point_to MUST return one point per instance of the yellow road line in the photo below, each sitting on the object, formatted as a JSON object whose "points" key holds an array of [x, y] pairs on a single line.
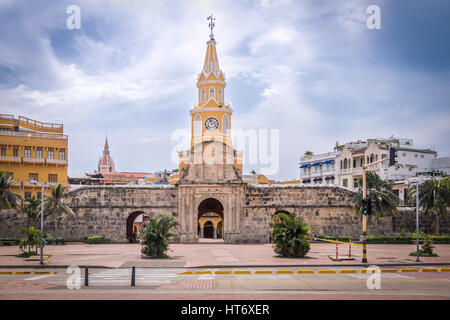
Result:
{"points": [[444, 270], [42, 272], [388, 270], [6, 272], [203, 272], [284, 271], [242, 272], [222, 272], [326, 271], [408, 270], [365, 271], [263, 272], [185, 272], [428, 270], [347, 271], [23, 272], [305, 271]]}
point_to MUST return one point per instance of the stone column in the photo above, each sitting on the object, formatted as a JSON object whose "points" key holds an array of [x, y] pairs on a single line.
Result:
{"points": [[214, 232]]}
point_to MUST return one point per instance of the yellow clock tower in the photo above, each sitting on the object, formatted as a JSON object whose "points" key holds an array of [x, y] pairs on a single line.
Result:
{"points": [[211, 117], [210, 127]]}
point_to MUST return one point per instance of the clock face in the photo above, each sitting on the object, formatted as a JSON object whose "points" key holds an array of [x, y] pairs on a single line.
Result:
{"points": [[212, 124]]}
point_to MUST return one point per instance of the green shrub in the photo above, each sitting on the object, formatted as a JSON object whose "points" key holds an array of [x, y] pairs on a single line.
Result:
{"points": [[290, 236], [154, 237], [31, 239], [95, 239]]}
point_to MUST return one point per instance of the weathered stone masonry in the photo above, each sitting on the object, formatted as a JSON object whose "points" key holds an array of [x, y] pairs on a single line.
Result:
{"points": [[247, 210]]}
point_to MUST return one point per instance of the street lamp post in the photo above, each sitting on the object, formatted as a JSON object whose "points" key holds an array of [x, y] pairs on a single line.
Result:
{"points": [[417, 221], [42, 220]]}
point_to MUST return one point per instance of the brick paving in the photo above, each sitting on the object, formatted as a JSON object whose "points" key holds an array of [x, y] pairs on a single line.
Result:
{"points": [[216, 255], [189, 285]]}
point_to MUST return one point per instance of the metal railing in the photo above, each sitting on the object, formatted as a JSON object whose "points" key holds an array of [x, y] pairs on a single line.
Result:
{"points": [[33, 135]]}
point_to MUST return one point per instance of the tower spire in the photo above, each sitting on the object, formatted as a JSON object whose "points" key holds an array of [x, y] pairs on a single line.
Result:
{"points": [[211, 25]]}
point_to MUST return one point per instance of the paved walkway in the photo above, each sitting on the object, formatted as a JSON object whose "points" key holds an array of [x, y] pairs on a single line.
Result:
{"points": [[217, 255]]}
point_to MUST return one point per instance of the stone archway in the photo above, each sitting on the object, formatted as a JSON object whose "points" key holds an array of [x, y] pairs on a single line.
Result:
{"points": [[131, 227], [210, 214]]}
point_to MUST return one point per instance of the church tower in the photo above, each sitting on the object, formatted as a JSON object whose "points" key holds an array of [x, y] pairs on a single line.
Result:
{"points": [[211, 117], [106, 163]]}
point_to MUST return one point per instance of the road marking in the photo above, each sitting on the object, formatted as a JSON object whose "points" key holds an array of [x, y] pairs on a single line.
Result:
{"points": [[428, 270], [42, 272], [263, 272], [242, 272], [222, 272], [444, 270], [39, 277], [203, 272], [6, 272], [326, 271], [305, 271], [408, 270], [388, 270], [347, 271], [284, 271], [185, 272], [23, 272]]}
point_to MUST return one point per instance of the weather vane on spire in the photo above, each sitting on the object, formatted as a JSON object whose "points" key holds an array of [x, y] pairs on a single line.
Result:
{"points": [[211, 23]]}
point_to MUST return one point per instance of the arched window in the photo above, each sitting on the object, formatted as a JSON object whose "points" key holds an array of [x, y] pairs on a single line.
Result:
{"points": [[212, 93], [202, 95], [225, 124], [220, 94], [197, 126]]}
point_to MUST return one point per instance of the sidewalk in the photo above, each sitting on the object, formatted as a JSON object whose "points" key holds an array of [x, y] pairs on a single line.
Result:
{"points": [[215, 255]]}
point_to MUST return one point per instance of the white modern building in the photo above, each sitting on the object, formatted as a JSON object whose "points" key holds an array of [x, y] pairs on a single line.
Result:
{"points": [[319, 169]]}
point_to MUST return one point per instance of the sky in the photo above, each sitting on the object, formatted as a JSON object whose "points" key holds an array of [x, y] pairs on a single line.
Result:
{"points": [[311, 69]]}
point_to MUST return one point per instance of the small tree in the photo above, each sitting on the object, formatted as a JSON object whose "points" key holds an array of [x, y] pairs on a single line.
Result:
{"points": [[434, 198], [154, 237], [31, 240], [31, 209], [54, 204], [290, 236], [308, 154]]}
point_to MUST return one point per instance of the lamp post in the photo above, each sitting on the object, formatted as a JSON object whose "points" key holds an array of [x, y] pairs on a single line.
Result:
{"points": [[42, 220], [417, 182]]}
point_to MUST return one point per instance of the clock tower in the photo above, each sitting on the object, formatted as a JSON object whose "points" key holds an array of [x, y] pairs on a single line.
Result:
{"points": [[211, 157], [211, 117]]}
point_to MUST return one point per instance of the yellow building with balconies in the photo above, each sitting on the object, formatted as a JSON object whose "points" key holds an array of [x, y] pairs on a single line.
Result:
{"points": [[32, 153]]}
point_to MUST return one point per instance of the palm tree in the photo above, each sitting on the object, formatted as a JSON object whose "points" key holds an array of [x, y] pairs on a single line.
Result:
{"points": [[8, 199], [308, 154], [434, 198], [31, 209], [379, 190], [253, 172], [290, 236], [54, 204], [154, 237]]}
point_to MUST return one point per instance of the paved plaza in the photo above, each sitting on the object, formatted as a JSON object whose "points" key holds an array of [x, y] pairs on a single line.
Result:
{"points": [[218, 254]]}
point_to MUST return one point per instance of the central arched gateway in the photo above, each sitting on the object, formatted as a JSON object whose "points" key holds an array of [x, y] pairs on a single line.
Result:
{"points": [[210, 219], [132, 228]]}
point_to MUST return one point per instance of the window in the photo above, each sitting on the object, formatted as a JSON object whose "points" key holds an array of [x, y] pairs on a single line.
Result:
{"points": [[15, 152], [10, 175], [3, 152], [355, 183], [354, 163], [361, 162], [27, 153], [421, 156], [345, 182], [53, 178], [39, 154], [39, 195], [197, 126], [33, 177], [220, 94], [212, 93], [202, 95], [50, 154], [415, 155], [225, 124], [62, 155], [404, 154], [27, 194]]}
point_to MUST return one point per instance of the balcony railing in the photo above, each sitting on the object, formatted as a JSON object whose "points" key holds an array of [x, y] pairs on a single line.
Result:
{"points": [[32, 135], [32, 160], [10, 159]]}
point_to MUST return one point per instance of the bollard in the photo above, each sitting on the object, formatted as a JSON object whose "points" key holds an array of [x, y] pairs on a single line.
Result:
{"points": [[133, 276], [86, 277], [350, 250], [337, 256]]}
